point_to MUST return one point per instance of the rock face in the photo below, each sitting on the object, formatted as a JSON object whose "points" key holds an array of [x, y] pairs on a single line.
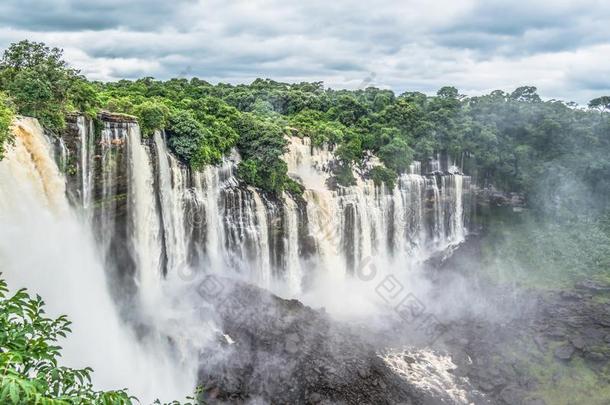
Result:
{"points": [[495, 198], [282, 352], [107, 116], [98, 182], [564, 351]]}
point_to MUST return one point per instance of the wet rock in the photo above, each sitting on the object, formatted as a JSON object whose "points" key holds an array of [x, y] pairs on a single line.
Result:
{"points": [[363, 373], [540, 343], [512, 395], [596, 357], [117, 117], [603, 320], [570, 295], [282, 343], [564, 351], [315, 398], [592, 334], [578, 342], [534, 401], [593, 286], [556, 333], [486, 386]]}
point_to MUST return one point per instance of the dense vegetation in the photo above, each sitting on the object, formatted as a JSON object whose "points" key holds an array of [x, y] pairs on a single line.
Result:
{"points": [[29, 358], [30, 372], [511, 140]]}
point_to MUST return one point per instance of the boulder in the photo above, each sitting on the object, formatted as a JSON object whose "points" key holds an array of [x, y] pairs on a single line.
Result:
{"points": [[564, 351], [578, 342], [593, 286]]}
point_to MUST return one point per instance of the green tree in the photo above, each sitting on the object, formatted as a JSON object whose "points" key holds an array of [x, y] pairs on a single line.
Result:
{"points": [[6, 117], [152, 116], [185, 135], [30, 372], [29, 358], [39, 81], [383, 175], [396, 155], [262, 145], [526, 94], [600, 103]]}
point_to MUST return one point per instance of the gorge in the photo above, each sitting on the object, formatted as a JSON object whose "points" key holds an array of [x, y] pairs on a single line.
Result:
{"points": [[290, 243], [153, 223]]}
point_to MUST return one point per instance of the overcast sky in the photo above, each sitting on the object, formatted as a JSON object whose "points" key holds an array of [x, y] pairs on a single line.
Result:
{"points": [[560, 46]]}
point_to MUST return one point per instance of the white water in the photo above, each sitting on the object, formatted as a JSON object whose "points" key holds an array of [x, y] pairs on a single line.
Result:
{"points": [[260, 233], [294, 272], [152, 215], [145, 224], [389, 225], [403, 226], [86, 163], [45, 248], [428, 371], [173, 189]]}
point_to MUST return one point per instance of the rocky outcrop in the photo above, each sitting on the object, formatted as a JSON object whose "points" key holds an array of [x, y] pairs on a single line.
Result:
{"points": [[492, 197], [281, 352], [107, 116]]}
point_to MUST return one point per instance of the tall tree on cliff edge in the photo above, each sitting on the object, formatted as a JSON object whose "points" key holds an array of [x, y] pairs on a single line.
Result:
{"points": [[42, 85]]}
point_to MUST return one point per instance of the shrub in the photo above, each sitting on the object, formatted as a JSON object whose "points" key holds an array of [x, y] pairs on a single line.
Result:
{"points": [[380, 174], [29, 357]]}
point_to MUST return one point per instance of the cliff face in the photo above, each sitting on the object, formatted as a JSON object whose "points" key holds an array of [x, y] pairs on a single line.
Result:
{"points": [[98, 179], [157, 221], [153, 215]]}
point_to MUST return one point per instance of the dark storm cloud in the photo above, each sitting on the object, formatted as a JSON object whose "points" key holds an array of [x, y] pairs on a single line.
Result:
{"points": [[560, 46]]}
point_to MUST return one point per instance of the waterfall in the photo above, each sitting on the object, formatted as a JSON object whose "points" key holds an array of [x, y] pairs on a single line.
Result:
{"points": [[44, 247], [86, 167], [209, 186], [260, 233], [207, 220], [172, 194], [148, 218], [294, 272], [143, 216], [422, 214]]}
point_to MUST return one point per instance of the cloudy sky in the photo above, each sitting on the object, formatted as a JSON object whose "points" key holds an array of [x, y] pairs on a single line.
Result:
{"points": [[560, 46]]}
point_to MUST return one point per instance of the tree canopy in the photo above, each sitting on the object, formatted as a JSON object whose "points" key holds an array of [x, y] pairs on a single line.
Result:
{"points": [[505, 139]]}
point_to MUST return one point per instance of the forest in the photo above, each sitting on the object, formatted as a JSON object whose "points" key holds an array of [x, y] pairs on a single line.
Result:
{"points": [[507, 140]]}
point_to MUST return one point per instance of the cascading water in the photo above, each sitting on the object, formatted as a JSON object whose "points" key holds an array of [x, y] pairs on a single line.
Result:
{"points": [[86, 163], [144, 223], [294, 271], [173, 191], [193, 219], [421, 215], [66, 270], [154, 221]]}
